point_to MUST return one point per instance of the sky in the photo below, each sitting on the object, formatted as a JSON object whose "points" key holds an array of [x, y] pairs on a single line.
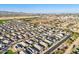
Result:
{"points": [[41, 8]]}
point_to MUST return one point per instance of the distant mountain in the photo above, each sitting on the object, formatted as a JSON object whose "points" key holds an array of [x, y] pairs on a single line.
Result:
{"points": [[7, 13]]}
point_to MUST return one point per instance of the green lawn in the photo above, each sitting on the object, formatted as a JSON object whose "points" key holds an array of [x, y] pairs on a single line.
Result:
{"points": [[3, 21], [10, 52]]}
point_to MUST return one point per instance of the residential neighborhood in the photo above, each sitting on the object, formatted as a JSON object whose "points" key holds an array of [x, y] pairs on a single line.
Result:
{"points": [[24, 37]]}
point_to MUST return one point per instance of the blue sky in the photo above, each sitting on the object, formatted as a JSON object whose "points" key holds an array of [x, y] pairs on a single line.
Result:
{"points": [[41, 8]]}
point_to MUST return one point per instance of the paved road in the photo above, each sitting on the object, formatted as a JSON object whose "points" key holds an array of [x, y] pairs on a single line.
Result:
{"points": [[53, 47]]}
